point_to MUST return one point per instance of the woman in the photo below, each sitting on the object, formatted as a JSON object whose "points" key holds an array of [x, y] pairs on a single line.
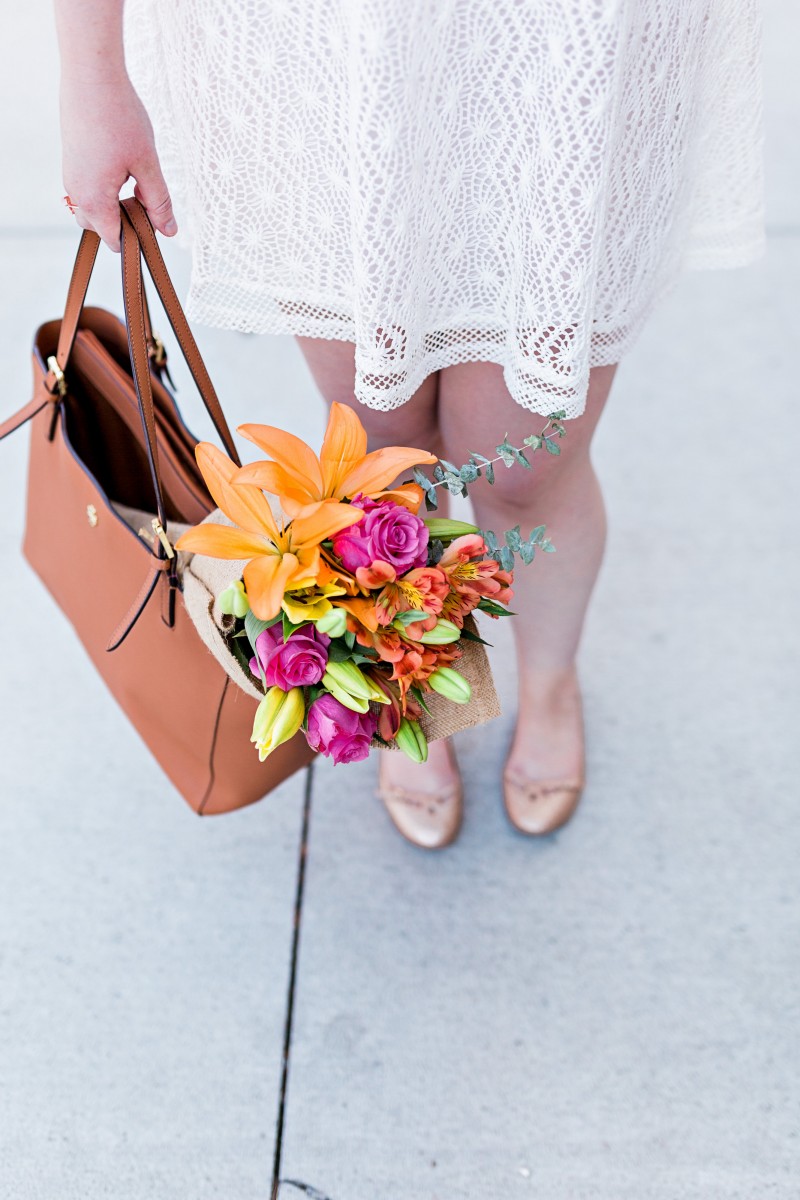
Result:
{"points": [[464, 210]]}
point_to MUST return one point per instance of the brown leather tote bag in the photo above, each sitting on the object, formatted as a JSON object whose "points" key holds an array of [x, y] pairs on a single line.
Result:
{"points": [[111, 473]]}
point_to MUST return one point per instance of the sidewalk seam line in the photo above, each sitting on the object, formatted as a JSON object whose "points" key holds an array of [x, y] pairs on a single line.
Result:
{"points": [[290, 994]]}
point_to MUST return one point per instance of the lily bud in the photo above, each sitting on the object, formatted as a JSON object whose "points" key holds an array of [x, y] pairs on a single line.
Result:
{"points": [[347, 677], [334, 622], [278, 718], [444, 529], [233, 601], [449, 683], [354, 703], [412, 741], [442, 633]]}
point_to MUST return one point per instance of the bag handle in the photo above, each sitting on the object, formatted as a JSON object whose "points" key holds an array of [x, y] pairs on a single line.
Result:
{"points": [[76, 298]]}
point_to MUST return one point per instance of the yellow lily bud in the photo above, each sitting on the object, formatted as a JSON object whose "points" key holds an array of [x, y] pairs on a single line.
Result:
{"points": [[233, 601], [278, 718], [334, 622], [449, 683], [412, 741], [443, 632]]}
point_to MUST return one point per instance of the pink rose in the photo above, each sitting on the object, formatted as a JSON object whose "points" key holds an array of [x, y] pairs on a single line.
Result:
{"points": [[339, 732], [297, 662], [389, 533]]}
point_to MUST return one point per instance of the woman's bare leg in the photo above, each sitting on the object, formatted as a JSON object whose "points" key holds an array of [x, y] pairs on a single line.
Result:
{"points": [[551, 595], [415, 423]]}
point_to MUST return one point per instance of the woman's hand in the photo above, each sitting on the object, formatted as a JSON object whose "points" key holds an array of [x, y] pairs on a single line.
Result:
{"points": [[107, 139]]}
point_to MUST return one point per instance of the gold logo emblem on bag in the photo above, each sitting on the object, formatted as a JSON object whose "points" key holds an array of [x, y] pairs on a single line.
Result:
{"points": [[91, 515]]}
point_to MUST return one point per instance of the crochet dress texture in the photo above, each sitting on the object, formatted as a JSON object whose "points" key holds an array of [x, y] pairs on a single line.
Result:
{"points": [[441, 181]]}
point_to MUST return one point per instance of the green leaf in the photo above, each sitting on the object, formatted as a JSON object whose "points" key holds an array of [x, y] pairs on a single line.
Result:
{"points": [[410, 616], [422, 479], [533, 440], [526, 552], [339, 651], [469, 473], [506, 451], [490, 537], [506, 556], [520, 458], [241, 655], [557, 416], [438, 473], [551, 446], [548, 546], [254, 627], [450, 468], [491, 606], [289, 627], [350, 638], [454, 485], [468, 636], [536, 535], [489, 473], [513, 538], [431, 500], [419, 696], [435, 551]]}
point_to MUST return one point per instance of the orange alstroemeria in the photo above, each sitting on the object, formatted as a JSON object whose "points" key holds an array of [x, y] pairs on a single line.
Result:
{"points": [[280, 557], [344, 469], [424, 588]]}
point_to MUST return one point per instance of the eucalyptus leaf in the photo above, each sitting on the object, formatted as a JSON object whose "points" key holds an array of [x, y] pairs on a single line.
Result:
{"points": [[422, 479], [438, 473], [469, 473], [526, 552], [520, 458], [533, 440], [551, 446], [450, 468], [513, 538], [506, 452], [435, 551], [506, 556], [548, 546]]}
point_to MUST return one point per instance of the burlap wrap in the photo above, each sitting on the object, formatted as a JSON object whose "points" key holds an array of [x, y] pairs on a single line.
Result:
{"points": [[204, 579]]}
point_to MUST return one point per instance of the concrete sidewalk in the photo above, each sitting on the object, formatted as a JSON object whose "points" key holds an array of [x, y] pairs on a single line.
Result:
{"points": [[610, 1014]]}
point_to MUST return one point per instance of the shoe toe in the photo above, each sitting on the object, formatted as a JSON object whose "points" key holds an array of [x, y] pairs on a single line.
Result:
{"points": [[428, 820], [540, 807]]}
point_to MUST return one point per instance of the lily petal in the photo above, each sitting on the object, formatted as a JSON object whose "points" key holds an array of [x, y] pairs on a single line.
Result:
{"points": [[223, 541], [344, 446], [246, 506], [272, 478], [407, 495], [290, 452], [265, 579], [328, 519], [380, 468]]}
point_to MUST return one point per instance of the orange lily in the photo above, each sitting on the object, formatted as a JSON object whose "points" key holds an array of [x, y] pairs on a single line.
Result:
{"points": [[301, 479], [281, 558]]}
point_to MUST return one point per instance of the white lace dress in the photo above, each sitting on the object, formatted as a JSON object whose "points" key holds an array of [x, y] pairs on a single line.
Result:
{"points": [[516, 181]]}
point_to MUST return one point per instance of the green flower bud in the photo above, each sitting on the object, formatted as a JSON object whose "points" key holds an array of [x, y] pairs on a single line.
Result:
{"points": [[348, 678], [445, 529], [334, 622], [442, 633], [412, 741], [233, 601], [449, 683]]}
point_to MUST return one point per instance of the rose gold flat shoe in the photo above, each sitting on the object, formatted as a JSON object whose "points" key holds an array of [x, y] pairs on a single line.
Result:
{"points": [[429, 820], [539, 806]]}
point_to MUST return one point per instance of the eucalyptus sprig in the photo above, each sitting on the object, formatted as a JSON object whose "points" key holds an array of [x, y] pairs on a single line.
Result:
{"points": [[457, 481]]}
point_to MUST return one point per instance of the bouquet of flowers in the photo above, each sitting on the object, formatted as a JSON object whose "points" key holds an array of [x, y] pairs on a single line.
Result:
{"points": [[345, 611]]}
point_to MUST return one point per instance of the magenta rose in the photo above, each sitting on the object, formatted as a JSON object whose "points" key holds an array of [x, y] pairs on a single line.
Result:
{"points": [[297, 662], [339, 732], [388, 533]]}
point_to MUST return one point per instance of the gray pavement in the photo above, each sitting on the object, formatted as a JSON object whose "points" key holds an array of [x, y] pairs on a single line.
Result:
{"points": [[610, 1014]]}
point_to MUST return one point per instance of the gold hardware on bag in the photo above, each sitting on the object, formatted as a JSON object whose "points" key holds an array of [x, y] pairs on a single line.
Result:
{"points": [[91, 515], [157, 351], [158, 529], [61, 382]]}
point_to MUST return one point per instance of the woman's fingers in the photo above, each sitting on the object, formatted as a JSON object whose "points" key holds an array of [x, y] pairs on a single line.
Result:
{"points": [[151, 189], [103, 217]]}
